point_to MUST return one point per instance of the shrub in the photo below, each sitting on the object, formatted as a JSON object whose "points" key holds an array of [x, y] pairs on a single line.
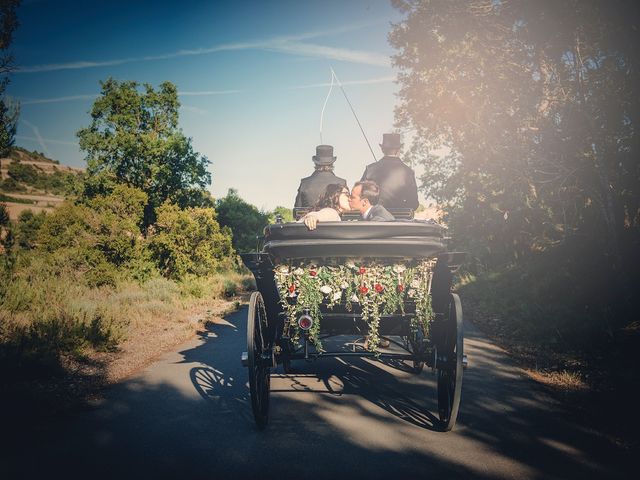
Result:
{"points": [[28, 227], [189, 242]]}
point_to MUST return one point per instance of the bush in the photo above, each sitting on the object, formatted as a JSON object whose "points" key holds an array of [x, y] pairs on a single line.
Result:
{"points": [[28, 228], [189, 242], [11, 185]]}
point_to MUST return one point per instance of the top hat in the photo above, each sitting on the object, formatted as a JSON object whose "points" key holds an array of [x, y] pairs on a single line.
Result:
{"points": [[324, 155], [391, 140]]}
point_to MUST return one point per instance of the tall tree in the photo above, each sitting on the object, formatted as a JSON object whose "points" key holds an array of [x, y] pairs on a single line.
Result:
{"points": [[244, 220], [134, 139], [9, 110], [537, 105]]}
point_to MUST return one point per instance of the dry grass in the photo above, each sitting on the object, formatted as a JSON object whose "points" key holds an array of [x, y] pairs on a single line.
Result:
{"points": [[563, 380]]}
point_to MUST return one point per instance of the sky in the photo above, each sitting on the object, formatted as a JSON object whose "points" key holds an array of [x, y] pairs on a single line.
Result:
{"points": [[252, 79]]}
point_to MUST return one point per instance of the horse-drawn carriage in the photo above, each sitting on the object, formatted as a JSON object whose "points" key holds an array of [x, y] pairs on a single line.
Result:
{"points": [[374, 280]]}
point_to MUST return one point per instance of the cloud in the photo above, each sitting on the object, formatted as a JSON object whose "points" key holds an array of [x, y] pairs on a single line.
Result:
{"points": [[48, 140], [38, 137], [330, 53], [189, 108], [36, 101], [208, 92], [366, 81], [291, 45]]}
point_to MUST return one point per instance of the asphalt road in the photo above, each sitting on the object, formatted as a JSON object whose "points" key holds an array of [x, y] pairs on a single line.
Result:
{"points": [[188, 416]]}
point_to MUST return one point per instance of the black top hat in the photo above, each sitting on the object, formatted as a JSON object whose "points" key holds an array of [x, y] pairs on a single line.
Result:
{"points": [[391, 140], [324, 155]]}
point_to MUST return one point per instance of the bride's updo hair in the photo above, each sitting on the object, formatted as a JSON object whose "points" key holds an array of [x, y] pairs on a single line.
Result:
{"points": [[330, 198]]}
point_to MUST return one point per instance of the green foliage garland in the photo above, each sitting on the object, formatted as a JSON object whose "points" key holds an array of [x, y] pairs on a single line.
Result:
{"points": [[378, 290]]}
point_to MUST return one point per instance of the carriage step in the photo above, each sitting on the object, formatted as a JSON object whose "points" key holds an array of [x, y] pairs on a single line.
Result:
{"points": [[465, 361], [244, 358]]}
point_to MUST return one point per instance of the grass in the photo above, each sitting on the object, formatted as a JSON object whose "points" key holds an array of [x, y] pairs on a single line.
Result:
{"points": [[44, 318], [7, 198]]}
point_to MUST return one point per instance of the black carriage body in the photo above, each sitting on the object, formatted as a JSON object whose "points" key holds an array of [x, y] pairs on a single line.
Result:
{"points": [[384, 243], [334, 243]]}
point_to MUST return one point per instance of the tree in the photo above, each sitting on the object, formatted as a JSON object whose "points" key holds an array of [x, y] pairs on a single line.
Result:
{"points": [[190, 242], [134, 139], [285, 213], [536, 104], [245, 220], [9, 110]]}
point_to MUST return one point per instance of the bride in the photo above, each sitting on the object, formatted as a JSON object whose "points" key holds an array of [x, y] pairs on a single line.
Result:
{"points": [[331, 204]]}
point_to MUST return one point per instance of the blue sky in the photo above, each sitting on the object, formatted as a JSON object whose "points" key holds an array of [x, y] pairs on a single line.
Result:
{"points": [[252, 77]]}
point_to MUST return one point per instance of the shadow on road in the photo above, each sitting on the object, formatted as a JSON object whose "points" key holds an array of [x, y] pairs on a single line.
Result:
{"points": [[190, 415]]}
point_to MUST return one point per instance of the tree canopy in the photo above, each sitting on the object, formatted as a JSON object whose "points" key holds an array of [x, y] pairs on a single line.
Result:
{"points": [[8, 110], [134, 139], [245, 220], [535, 105]]}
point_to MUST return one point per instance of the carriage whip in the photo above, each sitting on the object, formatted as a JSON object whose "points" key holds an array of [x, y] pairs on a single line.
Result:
{"points": [[335, 77]]}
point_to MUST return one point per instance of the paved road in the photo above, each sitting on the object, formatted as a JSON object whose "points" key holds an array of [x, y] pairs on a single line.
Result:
{"points": [[188, 415]]}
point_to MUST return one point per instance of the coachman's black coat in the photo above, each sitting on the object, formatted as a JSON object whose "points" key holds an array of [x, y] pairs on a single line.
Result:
{"points": [[396, 180], [313, 186]]}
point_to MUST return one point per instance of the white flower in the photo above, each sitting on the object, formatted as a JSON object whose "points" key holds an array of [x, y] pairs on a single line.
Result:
{"points": [[337, 296], [282, 269], [298, 271], [411, 293], [354, 298], [415, 283], [399, 268], [326, 289], [344, 285], [350, 265]]}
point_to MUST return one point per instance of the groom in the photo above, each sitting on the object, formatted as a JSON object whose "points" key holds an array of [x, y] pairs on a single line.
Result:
{"points": [[364, 198]]}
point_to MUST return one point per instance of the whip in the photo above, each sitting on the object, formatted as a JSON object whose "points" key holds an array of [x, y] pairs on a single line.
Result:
{"points": [[335, 77]]}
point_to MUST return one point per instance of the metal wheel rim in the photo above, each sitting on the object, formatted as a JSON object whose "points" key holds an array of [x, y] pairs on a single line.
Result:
{"points": [[450, 381], [259, 374]]}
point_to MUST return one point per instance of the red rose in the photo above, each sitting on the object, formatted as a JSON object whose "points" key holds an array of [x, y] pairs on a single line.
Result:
{"points": [[313, 273], [362, 271], [363, 289], [379, 288], [400, 288], [292, 288]]}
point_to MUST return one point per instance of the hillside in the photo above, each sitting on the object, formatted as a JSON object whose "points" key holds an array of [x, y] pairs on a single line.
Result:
{"points": [[32, 181]]}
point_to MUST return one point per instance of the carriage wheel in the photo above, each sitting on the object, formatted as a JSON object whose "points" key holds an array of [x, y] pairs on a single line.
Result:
{"points": [[259, 369], [450, 376]]}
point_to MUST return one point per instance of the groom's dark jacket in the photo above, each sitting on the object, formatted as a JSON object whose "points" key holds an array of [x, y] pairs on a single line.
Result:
{"points": [[379, 214]]}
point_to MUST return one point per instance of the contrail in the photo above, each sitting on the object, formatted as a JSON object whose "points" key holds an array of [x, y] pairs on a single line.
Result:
{"points": [[39, 138], [367, 81], [48, 140], [291, 45], [36, 101]]}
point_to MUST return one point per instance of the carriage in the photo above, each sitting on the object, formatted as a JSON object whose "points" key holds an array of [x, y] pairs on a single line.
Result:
{"points": [[372, 280]]}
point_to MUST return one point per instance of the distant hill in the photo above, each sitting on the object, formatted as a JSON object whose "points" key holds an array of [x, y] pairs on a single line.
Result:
{"points": [[36, 159], [32, 181]]}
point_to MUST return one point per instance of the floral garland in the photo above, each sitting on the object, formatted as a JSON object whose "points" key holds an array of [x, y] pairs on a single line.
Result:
{"points": [[378, 289]]}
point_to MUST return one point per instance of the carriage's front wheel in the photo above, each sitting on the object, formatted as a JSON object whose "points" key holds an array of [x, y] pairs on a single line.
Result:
{"points": [[450, 374], [259, 367]]}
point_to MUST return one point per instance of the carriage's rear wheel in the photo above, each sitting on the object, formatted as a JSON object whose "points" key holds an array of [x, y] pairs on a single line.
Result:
{"points": [[259, 367], [450, 375]]}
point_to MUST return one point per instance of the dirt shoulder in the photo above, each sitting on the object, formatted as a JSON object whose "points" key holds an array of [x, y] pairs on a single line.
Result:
{"points": [[81, 381]]}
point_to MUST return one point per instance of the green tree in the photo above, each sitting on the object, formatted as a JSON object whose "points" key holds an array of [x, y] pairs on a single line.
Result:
{"points": [[245, 220], [99, 239], [190, 242], [536, 104], [134, 139], [285, 213], [9, 110]]}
